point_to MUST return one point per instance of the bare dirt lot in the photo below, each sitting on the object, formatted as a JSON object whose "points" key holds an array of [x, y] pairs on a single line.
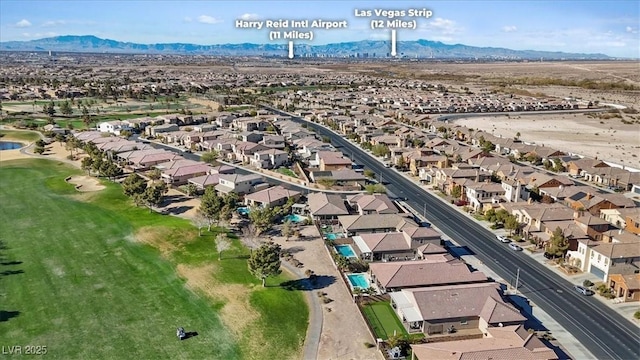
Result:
{"points": [[607, 139]]}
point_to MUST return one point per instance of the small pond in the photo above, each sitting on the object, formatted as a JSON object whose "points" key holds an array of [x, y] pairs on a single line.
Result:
{"points": [[10, 145]]}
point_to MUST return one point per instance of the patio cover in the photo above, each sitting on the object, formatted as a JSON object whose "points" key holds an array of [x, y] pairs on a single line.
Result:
{"points": [[405, 306]]}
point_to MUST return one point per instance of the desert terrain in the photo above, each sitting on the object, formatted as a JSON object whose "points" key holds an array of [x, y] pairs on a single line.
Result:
{"points": [[609, 140]]}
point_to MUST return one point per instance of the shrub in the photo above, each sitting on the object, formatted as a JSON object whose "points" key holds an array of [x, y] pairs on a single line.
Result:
{"points": [[636, 315], [370, 345], [587, 283], [326, 300]]}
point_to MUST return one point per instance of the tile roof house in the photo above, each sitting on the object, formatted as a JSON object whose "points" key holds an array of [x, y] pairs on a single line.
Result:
{"points": [[372, 204], [240, 184], [179, 175], [201, 182], [332, 160], [269, 158], [433, 270], [507, 342], [440, 309], [617, 253], [271, 197], [374, 223], [323, 206]]}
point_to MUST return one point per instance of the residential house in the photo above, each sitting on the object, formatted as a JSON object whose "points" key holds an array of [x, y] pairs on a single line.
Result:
{"points": [[365, 204], [271, 197], [432, 270], [240, 184], [114, 127], [617, 253], [576, 167], [269, 159], [332, 160], [625, 287], [358, 224], [179, 175], [326, 207], [273, 141], [481, 196], [503, 342], [204, 181], [158, 130], [593, 202], [444, 309], [399, 245], [251, 136]]}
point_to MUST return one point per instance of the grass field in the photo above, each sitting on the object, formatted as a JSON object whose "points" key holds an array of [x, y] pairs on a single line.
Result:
{"points": [[383, 320], [19, 135], [286, 171], [92, 277]]}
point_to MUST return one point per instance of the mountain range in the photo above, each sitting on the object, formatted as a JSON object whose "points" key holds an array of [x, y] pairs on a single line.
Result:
{"points": [[364, 48]]}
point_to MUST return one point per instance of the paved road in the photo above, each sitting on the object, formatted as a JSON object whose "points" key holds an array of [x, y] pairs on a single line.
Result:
{"points": [[604, 332]]}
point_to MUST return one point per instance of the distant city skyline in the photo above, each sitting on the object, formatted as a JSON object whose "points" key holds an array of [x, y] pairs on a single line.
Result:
{"points": [[608, 27]]}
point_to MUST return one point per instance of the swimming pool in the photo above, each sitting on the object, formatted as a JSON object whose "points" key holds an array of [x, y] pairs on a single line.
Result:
{"points": [[346, 251], [358, 281], [295, 218], [333, 236], [243, 210]]}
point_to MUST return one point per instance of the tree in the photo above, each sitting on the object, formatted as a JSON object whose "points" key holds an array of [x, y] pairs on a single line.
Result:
{"points": [[369, 173], [375, 189], [199, 221], [210, 205], [38, 150], [511, 224], [86, 163], [558, 243], [210, 157], [286, 229], [456, 192], [133, 185], [222, 244], [65, 108], [262, 218], [154, 195], [72, 143], [402, 163], [154, 174], [380, 150], [190, 189], [265, 261], [49, 109]]}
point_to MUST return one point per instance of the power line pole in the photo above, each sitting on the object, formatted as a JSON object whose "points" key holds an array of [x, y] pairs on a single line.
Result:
{"points": [[517, 280]]}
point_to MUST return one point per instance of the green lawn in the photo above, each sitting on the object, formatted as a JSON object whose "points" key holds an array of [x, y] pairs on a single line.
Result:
{"points": [[19, 135], [74, 277], [286, 171], [383, 319]]}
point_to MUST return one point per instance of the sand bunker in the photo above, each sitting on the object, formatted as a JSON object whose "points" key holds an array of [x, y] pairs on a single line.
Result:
{"points": [[85, 183]]}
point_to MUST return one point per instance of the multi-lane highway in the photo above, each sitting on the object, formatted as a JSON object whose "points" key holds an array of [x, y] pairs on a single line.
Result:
{"points": [[602, 331]]}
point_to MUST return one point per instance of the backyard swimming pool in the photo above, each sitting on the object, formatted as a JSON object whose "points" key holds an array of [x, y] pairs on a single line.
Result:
{"points": [[346, 251], [358, 281], [333, 236], [243, 210], [295, 218]]}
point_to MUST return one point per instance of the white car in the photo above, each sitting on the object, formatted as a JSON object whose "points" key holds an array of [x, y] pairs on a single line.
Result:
{"points": [[515, 247], [503, 238]]}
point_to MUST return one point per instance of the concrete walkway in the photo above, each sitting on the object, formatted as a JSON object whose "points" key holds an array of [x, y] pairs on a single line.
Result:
{"points": [[314, 330]]}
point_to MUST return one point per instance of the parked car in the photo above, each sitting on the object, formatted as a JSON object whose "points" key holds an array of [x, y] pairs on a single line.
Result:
{"points": [[503, 238], [583, 290], [515, 247]]}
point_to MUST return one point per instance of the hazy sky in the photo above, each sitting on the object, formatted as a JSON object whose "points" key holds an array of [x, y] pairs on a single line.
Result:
{"points": [[609, 27]]}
